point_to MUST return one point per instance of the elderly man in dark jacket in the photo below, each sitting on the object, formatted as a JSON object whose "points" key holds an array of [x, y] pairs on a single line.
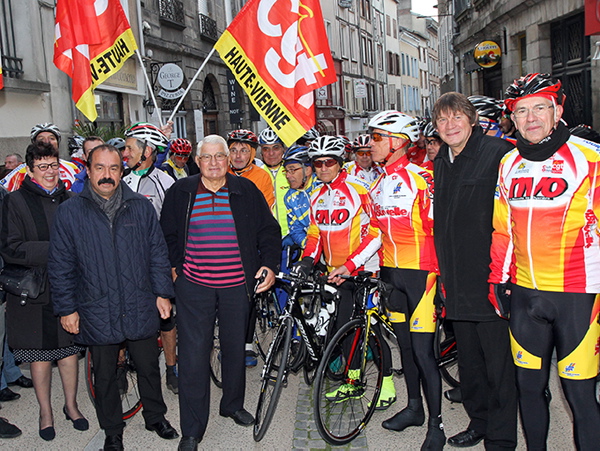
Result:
{"points": [[110, 279], [221, 237], [466, 171]]}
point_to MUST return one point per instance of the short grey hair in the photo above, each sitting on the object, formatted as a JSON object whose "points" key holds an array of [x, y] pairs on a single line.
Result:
{"points": [[212, 139]]}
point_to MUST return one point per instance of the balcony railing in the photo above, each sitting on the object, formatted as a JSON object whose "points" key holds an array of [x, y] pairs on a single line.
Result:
{"points": [[171, 13], [208, 28]]}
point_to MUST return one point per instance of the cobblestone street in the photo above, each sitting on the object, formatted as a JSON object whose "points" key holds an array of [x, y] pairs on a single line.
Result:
{"points": [[292, 427]]}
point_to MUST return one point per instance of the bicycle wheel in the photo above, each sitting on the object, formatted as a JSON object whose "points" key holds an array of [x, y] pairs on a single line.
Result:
{"points": [[272, 379], [446, 354], [127, 381], [267, 322], [215, 358], [344, 405]]}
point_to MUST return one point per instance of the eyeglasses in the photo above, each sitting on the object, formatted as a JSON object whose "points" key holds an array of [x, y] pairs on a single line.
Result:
{"points": [[219, 157], [330, 162], [291, 170], [45, 166], [242, 150], [537, 111], [377, 137], [181, 155], [363, 153]]}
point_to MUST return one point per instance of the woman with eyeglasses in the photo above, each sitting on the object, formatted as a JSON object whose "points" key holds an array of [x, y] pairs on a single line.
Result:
{"points": [[34, 333]]}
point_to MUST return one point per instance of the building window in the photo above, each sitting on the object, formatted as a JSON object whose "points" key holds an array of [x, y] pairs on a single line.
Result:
{"points": [[12, 65], [343, 40], [395, 28], [523, 53], [370, 52], [365, 9], [171, 13], [353, 49], [388, 26]]}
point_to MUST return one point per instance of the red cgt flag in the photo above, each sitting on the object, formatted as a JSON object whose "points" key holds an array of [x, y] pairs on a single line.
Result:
{"points": [[93, 40], [279, 53]]}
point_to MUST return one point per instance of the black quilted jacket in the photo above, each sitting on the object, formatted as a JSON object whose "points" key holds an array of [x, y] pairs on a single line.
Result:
{"points": [[109, 274]]}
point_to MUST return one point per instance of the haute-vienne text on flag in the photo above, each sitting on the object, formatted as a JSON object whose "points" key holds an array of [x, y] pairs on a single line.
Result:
{"points": [[92, 41], [279, 53]]}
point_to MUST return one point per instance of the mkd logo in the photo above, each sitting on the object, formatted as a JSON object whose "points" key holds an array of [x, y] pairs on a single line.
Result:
{"points": [[546, 188]]}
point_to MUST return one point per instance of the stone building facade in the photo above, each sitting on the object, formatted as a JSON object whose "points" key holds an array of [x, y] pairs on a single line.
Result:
{"points": [[545, 36]]}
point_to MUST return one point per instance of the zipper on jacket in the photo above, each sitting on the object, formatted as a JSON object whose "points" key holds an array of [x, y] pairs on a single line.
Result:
{"points": [[529, 221]]}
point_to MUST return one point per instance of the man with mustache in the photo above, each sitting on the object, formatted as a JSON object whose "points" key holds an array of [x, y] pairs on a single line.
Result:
{"points": [[110, 280]]}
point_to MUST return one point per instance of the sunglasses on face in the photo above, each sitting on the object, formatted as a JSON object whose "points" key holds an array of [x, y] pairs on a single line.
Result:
{"points": [[363, 153], [181, 155], [330, 162], [377, 137]]}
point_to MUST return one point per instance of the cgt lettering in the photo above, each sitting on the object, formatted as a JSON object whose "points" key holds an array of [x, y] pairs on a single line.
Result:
{"points": [[547, 188]]}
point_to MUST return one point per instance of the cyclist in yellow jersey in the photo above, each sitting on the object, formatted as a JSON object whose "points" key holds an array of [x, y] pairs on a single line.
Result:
{"points": [[403, 211], [547, 246], [272, 149]]}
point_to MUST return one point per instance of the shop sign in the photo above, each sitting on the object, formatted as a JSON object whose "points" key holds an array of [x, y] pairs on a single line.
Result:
{"points": [[170, 78], [487, 54]]}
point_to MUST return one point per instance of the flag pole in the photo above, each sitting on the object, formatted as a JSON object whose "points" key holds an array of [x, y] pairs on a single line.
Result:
{"points": [[149, 86], [191, 83]]}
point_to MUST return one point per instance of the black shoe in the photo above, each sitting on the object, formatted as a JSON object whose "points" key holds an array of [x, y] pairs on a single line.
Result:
{"points": [[188, 444], [113, 443], [48, 433], [164, 429], [7, 394], [466, 439], [241, 417], [8, 430], [453, 395], [435, 439], [413, 415], [22, 381], [172, 380], [81, 424]]}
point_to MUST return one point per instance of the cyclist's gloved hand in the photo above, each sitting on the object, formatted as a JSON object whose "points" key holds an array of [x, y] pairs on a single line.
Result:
{"points": [[304, 267], [499, 296]]}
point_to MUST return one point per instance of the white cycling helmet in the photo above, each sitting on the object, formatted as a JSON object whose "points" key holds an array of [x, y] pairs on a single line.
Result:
{"points": [[150, 134], [268, 136], [396, 122], [45, 127], [327, 146]]}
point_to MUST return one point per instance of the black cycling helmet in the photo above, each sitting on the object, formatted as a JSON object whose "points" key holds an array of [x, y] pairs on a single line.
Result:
{"points": [[534, 84], [242, 136], [430, 131], [586, 132], [75, 144], [487, 107]]}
